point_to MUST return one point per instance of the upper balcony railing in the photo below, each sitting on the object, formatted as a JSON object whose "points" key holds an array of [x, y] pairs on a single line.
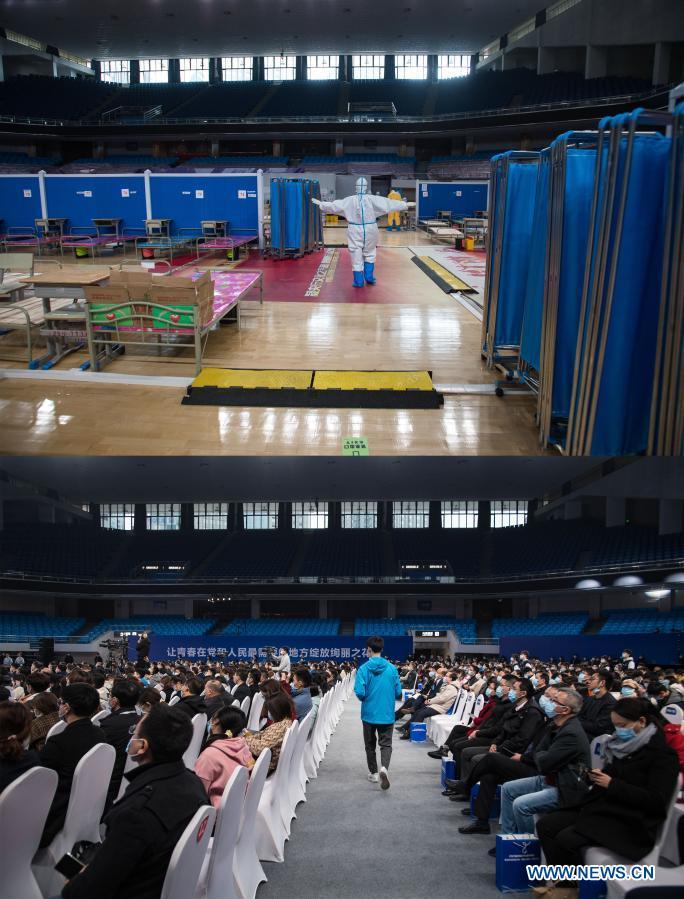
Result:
{"points": [[333, 119]]}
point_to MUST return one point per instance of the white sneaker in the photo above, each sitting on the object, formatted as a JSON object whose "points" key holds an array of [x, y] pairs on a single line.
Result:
{"points": [[384, 779], [373, 778]]}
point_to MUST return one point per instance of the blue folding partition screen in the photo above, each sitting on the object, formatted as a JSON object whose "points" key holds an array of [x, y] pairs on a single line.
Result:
{"points": [[189, 199], [81, 198], [461, 198], [20, 201], [295, 225]]}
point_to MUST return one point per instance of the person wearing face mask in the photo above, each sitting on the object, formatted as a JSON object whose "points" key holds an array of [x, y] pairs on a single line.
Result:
{"points": [[628, 660], [116, 727], [144, 826], [629, 797], [540, 681], [15, 756], [225, 750], [559, 756], [63, 751], [628, 688], [595, 716], [517, 729]]}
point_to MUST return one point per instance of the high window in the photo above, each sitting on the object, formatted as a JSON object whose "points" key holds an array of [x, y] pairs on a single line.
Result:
{"points": [[411, 514], [280, 68], [506, 513], [163, 516], [359, 515], [458, 513], [309, 516], [194, 69], [211, 516], [453, 66], [322, 68], [237, 68], [117, 516], [260, 516], [368, 67], [117, 71], [154, 71], [410, 65]]}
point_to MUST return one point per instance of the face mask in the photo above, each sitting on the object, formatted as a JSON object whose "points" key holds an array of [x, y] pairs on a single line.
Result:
{"points": [[625, 733], [512, 695], [548, 706], [133, 755], [433, 674], [535, 682], [596, 691], [498, 678], [665, 683], [555, 680], [582, 677], [627, 691], [488, 691], [499, 692], [61, 711], [209, 728]]}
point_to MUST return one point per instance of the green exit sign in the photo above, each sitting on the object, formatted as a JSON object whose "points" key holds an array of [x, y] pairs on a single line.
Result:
{"points": [[355, 446]]}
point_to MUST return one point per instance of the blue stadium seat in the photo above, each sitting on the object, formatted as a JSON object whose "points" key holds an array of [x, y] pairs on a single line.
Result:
{"points": [[559, 624], [643, 621], [300, 627], [23, 626], [399, 627]]}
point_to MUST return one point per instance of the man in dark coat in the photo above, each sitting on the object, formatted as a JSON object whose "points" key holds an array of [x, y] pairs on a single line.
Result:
{"points": [[595, 715], [117, 726], [191, 702], [65, 750], [144, 826]]}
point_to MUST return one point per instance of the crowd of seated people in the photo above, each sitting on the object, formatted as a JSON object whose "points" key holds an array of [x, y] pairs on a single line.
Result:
{"points": [[145, 712], [588, 753]]}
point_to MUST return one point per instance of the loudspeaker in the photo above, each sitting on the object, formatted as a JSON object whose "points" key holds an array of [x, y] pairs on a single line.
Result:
{"points": [[46, 651]]}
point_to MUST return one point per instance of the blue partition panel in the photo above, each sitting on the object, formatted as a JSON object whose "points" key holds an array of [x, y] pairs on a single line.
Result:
{"points": [[530, 342], [188, 199], [462, 198], [81, 198], [19, 201]]}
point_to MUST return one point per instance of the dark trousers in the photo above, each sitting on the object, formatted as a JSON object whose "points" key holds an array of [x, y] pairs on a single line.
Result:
{"points": [[470, 755], [372, 735], [424, 712], [560, 841], [409, 707], [457, 748], [491, 770], [458, 733]]}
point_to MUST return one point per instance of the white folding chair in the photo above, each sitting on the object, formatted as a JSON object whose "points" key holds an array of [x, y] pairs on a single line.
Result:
{"points": [[186, 862], [245, 704], [247, 868], [174, 699], [34, 790], [199, 728], [269, 830], [105, 713], [297, 786], [217, 880], [82, 822], [56, 729], [255, 712]]}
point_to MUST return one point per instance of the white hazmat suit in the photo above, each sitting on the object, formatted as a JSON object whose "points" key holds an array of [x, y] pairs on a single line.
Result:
{"points": [[362, 212]]}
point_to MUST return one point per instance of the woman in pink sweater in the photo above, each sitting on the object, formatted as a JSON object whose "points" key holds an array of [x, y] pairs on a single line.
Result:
{"points": [[224, 751]]}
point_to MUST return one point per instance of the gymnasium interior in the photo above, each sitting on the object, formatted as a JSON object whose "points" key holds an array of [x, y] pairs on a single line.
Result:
{"points": [[341, 437], [171, 286]]}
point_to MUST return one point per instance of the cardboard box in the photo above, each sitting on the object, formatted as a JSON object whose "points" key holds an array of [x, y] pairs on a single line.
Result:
{"points": [[513, 853]]}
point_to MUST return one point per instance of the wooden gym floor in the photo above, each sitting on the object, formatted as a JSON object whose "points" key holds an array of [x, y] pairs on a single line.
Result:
{"points": [[414, 326]]}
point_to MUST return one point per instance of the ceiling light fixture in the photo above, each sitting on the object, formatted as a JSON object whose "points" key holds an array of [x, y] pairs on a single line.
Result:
{"points": [[658, 593]]}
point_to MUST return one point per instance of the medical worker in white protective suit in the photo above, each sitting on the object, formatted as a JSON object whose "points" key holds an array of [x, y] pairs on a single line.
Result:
{"points": [[362, 212]]}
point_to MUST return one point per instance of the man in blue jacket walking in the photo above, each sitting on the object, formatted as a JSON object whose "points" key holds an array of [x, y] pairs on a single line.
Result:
{"points": [[378, 686]]}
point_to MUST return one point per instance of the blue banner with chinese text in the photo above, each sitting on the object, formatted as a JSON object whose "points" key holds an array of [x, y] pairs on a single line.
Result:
{"points": [[235, 648]]}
